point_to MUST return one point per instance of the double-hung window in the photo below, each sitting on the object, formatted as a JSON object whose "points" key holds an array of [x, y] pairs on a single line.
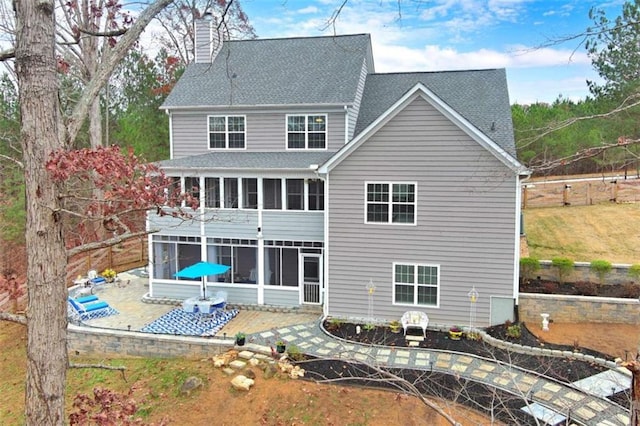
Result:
{"points": [[415, 284], [388, 202], [227, 132], [307, 131]]}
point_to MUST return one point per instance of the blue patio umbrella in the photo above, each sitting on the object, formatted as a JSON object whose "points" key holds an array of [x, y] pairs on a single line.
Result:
{"points": [[201, 270]]}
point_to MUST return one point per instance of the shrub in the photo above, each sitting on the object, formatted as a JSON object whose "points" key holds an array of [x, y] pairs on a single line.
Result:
{"points": [[634, 271], [334, 324], [295, 353], [564, 267], [528, 267], [514, 331], [601, 268]]}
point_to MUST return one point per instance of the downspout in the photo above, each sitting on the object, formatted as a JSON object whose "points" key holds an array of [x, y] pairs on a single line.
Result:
{"points": [[325, 251], [519, 233]]}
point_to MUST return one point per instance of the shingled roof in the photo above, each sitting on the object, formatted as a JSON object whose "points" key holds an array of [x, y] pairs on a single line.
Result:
{"points": [[480, 96], [289, 71], [294, 161]]}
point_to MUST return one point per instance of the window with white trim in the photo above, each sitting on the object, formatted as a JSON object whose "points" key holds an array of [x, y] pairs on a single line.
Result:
{"points": [[231, 193], [227, 132], [388, 202], [415, 284], [316, 194], [212, 192], [307, 131], [295, 194], [249, 193]]}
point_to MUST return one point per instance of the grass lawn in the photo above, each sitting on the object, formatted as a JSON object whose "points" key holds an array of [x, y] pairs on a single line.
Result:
{"points": [[585, 233]]}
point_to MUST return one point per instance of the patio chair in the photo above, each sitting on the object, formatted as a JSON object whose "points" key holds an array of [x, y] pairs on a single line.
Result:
{"points": [[415, 319], [223, 296]]}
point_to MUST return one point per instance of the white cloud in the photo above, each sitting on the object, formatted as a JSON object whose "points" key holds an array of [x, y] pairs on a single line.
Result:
{"points": [[389, 58]]}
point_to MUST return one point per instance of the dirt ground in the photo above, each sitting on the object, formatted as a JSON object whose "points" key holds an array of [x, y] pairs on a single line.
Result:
{"points": [[618, 340]]}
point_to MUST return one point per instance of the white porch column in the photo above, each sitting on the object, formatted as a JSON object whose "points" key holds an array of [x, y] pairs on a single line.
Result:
{"points": [[260, 265]]}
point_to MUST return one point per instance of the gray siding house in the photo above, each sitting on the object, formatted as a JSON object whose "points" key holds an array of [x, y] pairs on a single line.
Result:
{"points": [[324, 183]]}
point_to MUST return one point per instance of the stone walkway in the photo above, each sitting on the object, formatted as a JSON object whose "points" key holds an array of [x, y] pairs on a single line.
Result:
{"points": [[552, 399]]}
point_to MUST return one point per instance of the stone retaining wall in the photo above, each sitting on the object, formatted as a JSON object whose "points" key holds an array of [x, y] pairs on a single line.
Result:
{"points": [[619, 273], [89, 340], [563, 308]]}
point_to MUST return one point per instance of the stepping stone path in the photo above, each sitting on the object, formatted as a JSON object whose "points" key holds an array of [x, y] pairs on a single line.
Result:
{"points": [[549, 397]]}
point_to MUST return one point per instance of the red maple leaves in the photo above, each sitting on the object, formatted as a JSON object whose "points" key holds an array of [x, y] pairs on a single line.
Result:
{"points": [[125, 183]]}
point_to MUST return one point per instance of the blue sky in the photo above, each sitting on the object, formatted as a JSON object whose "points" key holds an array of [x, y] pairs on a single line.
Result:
{"points": [[432, 35]]}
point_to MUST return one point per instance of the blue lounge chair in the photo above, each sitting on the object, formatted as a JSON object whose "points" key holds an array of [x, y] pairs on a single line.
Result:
{"points": [[85, 308]]}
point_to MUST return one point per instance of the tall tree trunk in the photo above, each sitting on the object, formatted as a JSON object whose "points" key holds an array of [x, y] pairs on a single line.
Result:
{"points": [[46, 310], [634, 367], [95, 124]]}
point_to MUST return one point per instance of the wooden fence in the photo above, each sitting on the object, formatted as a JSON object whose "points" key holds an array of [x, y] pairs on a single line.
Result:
{"points": [[132, 253], [580, 192]]}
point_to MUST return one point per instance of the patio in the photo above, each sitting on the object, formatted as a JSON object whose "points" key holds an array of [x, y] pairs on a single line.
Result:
{"points": [[126, 297]]}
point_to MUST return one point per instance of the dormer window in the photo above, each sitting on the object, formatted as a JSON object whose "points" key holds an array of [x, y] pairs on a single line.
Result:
{"points": [[227, 132], [307, 131]]}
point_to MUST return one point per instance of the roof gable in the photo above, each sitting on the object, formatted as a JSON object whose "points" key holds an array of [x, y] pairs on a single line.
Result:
{"points": [[292, 71], [480, 96], [420, 90]]}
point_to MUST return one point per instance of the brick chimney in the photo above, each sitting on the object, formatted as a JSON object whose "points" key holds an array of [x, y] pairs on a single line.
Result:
{"points": [[208, 39]]}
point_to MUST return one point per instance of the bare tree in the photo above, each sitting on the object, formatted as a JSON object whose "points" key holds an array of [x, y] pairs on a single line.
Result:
{"points": [[177, 20]]}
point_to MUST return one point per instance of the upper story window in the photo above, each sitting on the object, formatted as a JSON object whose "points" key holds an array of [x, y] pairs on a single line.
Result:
{"points": [[295, 194], [390, 203], [272, 194], [249, 193], [231, 193], [227, 132], [212, 193], [316, 194], [307, 131]]}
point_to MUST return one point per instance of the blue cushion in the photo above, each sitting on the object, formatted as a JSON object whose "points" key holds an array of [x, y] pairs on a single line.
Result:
{"points": [[75, 305], [87, 299], [95, 306], [98, 280]]}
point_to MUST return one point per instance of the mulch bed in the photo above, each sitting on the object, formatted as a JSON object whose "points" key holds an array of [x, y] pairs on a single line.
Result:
{"points": [[628, 290], [451, 387], [566, 370]]}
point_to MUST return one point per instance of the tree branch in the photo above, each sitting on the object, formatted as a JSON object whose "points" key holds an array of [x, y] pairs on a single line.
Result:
{"points": [[7, 54], [20, 319], [580, 155], [105, 69], [13, 160], [120, 368], [114, 33], [107, 243]]}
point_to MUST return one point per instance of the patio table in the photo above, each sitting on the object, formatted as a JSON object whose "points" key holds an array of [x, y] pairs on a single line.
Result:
{"points": [[207, 306]]}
